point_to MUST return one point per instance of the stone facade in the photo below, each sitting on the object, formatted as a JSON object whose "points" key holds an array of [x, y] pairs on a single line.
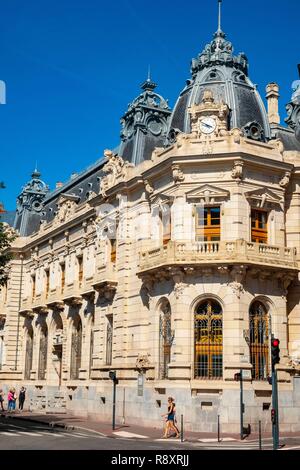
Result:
{"points": [[121, 282]]}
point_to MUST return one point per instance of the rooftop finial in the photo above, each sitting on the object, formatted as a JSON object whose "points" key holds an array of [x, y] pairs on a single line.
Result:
{"points": [[149, 73], [220, 16]]}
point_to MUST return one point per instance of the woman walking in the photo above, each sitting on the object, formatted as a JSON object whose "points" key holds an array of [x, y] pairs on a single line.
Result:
{"points": [[170, 419]]}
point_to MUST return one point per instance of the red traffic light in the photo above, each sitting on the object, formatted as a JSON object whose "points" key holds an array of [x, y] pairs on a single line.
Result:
{"points": [[275, 343]]}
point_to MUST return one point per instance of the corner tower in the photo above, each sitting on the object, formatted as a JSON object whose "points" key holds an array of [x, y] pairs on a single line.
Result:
{"points": [[145, 125]]}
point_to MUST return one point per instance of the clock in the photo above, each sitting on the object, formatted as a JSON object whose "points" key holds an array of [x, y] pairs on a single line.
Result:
{"points": [[207, 125]]}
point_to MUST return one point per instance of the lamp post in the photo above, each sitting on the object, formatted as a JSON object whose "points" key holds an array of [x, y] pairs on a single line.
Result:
{"points": [[113, 377]]}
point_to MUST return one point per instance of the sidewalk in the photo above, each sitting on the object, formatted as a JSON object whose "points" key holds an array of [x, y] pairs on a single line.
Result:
{"points": [[70, 422]]}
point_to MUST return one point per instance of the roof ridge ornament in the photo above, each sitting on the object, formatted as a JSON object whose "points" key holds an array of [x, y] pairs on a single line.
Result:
{"points": [[220, 16]]}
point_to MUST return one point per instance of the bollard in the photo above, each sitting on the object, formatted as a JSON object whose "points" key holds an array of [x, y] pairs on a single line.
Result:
{"points": [[219, 428], [259, 435], [181, 433]]}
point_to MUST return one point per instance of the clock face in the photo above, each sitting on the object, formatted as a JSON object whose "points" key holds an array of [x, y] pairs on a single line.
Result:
{"points": [[207, 125]]}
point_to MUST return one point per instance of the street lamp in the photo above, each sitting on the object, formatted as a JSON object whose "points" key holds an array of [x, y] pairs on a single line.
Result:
{"points": [[113, 377]]}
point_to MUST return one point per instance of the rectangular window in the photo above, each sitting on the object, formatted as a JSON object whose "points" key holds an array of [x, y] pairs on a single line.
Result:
{"points": [[208, 224], [33, 285], [47, 272], [259, 226], [80, 270], [63, 276], [113, 250]]}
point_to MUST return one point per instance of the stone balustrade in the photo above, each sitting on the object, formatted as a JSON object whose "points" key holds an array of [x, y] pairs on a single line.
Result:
{"points": [[231, 252]]}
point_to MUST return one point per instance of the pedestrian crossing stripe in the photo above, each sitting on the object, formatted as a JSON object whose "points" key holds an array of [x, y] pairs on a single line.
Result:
{"points": [[129, 434]]}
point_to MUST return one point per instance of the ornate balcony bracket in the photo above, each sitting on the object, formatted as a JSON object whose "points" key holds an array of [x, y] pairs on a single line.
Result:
{"points": [[27, 313], [56, 305], [88, 294], [73, 301], [41, 309], [106, 289], [238, 274]]}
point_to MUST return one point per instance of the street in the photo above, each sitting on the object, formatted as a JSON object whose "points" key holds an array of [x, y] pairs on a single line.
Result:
{"points": [[18, 434]]}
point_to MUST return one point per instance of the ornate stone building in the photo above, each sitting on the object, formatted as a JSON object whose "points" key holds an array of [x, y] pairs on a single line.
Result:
{"points": [[172, 260]]}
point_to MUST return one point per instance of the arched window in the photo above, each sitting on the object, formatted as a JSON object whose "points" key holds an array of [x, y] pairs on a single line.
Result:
{"points": [[28, 353], [76, 349], [43, 353], [259, 341], [165, 339], [208, 340]]}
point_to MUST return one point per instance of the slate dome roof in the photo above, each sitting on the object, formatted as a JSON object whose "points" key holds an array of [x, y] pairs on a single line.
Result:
{"points": [[217, 69]]}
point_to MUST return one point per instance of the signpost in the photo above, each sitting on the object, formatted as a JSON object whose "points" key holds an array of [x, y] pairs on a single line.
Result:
{"points": [[113, 377]]}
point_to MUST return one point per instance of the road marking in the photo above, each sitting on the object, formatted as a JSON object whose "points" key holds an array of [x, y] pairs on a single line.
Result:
{"points": [[129, 434], [12, 434], [225, 439], [26, 433], [168, 440]]}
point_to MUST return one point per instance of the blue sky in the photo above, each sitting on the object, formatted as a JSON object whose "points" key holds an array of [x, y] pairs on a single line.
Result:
{"points": [[72, 66]]}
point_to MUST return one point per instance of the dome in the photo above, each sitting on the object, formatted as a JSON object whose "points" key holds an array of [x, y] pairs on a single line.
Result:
{"points": [[226, 75]]}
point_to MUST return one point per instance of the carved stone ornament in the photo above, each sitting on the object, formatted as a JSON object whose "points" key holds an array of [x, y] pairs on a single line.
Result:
{"points": [[148, 188], [142, 362], [66, 208], [237, 172], [285, 180], [178, 175], [208, 107], [238, 275], [114, 171]]}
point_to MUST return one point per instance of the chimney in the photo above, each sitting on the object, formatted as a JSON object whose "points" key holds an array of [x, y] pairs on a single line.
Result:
{"points": [[59, 185], [272, 98]]}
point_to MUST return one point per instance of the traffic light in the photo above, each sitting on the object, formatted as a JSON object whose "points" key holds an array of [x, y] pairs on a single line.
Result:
{"points": [[113, 376], [275, 352], [273, 416]]}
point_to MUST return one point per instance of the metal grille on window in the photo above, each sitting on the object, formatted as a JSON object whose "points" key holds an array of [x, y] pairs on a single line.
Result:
{"points": [[76, 351], [259, 341], [209, 341], [109, 341], [166, 337], [28, 355], [43, 354]]}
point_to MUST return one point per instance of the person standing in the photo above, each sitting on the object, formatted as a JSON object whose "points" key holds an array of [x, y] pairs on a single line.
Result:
{"points": [[22, 397], [10, 400], [1, 399], [14, 399]]}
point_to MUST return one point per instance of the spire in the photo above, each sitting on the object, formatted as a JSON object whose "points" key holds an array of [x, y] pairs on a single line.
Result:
{"points": [[220, 16], [148, 84]]}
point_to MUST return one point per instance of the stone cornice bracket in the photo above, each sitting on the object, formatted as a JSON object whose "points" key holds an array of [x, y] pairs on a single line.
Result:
{"points": [[27, 314], [106, 289], [238, 274], [178, 277], [73, 301], [284, 182], [57, 305], [237, 171], [177, 173], [41, 310], [148, 285], [285, 279]]}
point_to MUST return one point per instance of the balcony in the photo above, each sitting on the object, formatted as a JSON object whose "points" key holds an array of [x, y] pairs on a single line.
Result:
{"points": [[71, 295], [193, 254], [54, 299], [105, 281]]}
